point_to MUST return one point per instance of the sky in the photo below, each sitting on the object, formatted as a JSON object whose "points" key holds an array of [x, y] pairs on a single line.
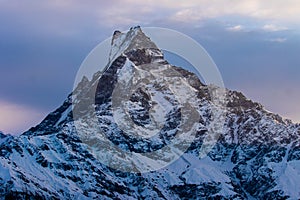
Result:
{"points": [[255, 44]]}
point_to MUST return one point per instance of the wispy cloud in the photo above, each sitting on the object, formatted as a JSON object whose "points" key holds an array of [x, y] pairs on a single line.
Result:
{"points": [[273, 28], [125, 12], [278, 40], [194, 10], [235, 28]]}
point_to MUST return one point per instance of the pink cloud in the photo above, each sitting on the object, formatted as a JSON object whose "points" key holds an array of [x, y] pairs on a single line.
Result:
{"points": [[15, 119]]}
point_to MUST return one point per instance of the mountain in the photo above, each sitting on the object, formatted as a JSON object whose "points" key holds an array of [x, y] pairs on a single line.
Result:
{"points": [[257, 155], [2, 135]]}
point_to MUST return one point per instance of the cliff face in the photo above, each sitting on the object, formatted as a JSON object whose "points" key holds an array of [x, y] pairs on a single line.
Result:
{"points": [[256, 156]]}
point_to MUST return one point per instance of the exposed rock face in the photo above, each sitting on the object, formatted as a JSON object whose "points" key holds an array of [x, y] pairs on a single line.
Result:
{"points": [[256, 157]]}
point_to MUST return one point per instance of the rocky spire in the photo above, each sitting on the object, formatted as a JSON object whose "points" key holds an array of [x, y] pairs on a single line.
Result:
{"points": [[132, 40]]}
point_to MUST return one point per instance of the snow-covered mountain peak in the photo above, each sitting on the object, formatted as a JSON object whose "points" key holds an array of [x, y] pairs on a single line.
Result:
{"points": [[133, 40], [257, 155]]}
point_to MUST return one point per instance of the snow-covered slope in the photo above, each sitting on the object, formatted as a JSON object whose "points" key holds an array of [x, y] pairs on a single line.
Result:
{"points": [[256, 157]]}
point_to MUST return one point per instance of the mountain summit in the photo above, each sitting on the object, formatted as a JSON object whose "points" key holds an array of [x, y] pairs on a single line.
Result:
{"points": [[257, 156]]}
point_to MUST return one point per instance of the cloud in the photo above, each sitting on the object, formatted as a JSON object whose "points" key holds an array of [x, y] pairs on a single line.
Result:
{"points": [[278, 40], [70, 18], [15, 118], [236, 28], [193, 10], [273, 28]]}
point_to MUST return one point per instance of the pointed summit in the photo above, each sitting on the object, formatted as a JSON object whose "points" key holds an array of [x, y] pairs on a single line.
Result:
{"points": [[129, 41]]}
